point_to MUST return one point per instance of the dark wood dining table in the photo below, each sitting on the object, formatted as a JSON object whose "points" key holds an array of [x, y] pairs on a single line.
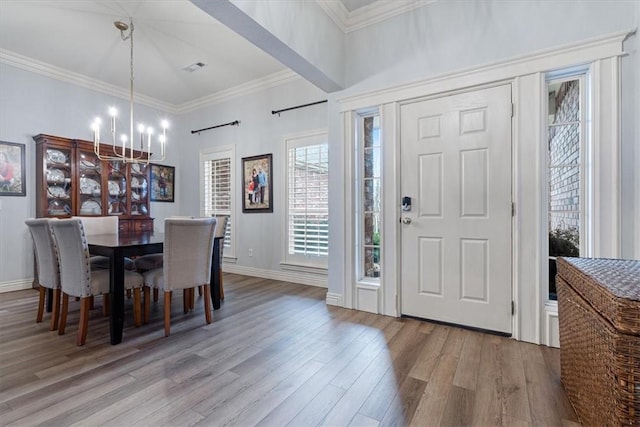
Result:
{"points": [[131, 244]]}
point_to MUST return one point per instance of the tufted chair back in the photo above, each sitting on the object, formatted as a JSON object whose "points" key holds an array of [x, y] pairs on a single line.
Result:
{"points": [[73, 252], [99, 224]]}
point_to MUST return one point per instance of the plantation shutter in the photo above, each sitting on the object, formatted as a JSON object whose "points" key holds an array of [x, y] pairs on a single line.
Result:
{"points": [[217, 191], [308, 203]]}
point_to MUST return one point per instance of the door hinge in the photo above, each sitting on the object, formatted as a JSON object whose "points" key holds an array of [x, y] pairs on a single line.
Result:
{"points": [[513, 308], [513, 209]]}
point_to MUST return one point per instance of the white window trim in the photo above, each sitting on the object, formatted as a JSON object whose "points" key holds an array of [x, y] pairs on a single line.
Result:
{"points": [[319, 264], [221, 152]]}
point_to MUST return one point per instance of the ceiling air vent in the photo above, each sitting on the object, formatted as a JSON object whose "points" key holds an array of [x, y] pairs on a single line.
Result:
{"points": [[193, 67]]}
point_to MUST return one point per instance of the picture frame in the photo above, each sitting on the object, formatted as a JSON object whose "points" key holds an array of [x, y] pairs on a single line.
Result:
{"points": [[257, 187], [162, 183], [12, 169]]}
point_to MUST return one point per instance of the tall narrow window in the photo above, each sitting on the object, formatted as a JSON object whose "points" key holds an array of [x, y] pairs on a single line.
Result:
{"points": [[217, 198], [567, 180], [307, 200], [371, 197]]}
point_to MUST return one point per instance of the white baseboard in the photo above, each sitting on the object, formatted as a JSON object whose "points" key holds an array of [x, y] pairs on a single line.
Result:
{"points": [[285, 276], [334, 299], [16, 285]]}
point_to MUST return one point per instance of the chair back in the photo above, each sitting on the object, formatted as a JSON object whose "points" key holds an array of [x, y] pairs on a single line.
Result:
{"points": [[94, 225], [46, 255], [221, 226], [188, 250], [73, 255]]}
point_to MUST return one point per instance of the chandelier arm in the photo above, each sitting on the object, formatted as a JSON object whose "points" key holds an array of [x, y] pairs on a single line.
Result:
{"points": [[126, 33]]}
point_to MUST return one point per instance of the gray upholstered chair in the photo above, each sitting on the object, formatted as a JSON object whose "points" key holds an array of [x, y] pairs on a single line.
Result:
{"points": [[79, 280], [152, 261], [188, 249], [94, 225], [47, 266]]}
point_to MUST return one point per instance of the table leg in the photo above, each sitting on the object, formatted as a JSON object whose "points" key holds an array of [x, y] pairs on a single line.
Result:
{"points": [[116, 282], [49, 300], [215, 278]]}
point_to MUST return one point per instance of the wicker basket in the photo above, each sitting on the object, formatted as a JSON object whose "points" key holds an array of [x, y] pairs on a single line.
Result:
{"points": [[599, 314]]}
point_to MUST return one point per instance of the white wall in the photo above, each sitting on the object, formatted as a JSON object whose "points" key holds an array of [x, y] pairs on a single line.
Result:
{"points": [[446, 37], [259, 132], [31, 104]]}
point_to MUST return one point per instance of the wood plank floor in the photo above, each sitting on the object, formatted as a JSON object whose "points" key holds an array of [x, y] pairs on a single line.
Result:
{"points": [[275, 355]]}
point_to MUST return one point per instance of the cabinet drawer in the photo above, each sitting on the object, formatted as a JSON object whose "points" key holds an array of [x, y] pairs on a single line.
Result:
{"points": [[142, 224]]}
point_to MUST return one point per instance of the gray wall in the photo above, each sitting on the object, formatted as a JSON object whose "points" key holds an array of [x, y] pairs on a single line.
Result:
{"points": [[259, 132]]}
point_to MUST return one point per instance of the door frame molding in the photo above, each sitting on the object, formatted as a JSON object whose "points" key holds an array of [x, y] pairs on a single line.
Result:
{"points": [[525, 73]]}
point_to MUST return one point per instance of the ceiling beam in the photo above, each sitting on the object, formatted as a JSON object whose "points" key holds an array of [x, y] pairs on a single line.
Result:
{"points": [[278, 27]]}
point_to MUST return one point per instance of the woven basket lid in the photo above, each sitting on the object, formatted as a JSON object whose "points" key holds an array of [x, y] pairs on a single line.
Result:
{"points": [[611, 286]]}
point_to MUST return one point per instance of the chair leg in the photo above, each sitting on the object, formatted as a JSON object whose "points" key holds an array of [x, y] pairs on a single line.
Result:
{"points": [[200, 290], [106, 305], [207, 303], [221, 286], [137, 315], [43, 292], [128, 293], [147, 303], [55, 312], [155, 294], [83, 324], [192, 298], [167, 312], [63, 314]]}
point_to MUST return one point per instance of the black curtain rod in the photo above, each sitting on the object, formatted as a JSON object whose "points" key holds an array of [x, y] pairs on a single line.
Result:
{"points": [[298, 106], [233, 123]]}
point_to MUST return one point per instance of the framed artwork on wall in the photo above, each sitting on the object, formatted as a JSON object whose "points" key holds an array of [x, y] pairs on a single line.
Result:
{"points": [[162, 183], [12, 169], [257, 184]]}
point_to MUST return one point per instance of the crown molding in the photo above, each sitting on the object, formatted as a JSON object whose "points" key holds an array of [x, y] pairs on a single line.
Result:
{"points": [[336, 11], [68, 76], [272, 80], [61, 74], [378, 11]]}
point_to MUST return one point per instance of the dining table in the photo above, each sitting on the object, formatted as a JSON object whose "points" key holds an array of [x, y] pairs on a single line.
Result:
{"points": [[123, 245]]}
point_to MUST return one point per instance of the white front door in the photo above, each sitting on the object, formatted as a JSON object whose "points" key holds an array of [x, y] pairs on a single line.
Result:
{"points": [[456, 239]]}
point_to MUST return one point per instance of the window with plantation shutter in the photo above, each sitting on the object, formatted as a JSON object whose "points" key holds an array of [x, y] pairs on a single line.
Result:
{"points": [[217, 194], [307, 217]]}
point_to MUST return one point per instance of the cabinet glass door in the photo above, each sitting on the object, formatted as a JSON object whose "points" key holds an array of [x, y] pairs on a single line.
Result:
{"points": [[139, 189], [90, 181], [58, 181], [117, 182]]}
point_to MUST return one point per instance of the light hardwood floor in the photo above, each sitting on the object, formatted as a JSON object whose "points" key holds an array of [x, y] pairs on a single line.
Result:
{"points": [[274, 355]]}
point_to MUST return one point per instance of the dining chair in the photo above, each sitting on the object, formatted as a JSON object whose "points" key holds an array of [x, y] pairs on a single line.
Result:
{"points": [[152, 261], [95, 225], [78, 279], [48, 271], [188, 250]]}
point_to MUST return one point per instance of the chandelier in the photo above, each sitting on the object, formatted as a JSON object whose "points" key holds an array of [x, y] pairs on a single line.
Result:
{"points": [[123, 150]]}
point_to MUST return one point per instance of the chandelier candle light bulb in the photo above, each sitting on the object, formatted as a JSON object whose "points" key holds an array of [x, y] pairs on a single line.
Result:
{"points": [[126, 33]]}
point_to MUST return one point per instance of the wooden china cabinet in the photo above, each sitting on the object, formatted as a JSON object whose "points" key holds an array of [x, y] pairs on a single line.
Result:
{"points": [[72, 180]]}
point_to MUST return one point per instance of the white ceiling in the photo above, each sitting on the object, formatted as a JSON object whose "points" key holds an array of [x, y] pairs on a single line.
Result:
{"points": [[78, 38]]}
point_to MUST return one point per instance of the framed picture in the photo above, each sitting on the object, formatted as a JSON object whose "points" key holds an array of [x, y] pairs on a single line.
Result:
{"points": [[12, 169], [162, 183], [257, 184]]}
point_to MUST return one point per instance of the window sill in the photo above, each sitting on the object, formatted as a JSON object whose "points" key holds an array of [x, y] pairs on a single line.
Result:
{"points": [[305, 268]]}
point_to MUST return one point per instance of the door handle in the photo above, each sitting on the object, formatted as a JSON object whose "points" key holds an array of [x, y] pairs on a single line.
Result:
{"points": [[406, 220]]}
